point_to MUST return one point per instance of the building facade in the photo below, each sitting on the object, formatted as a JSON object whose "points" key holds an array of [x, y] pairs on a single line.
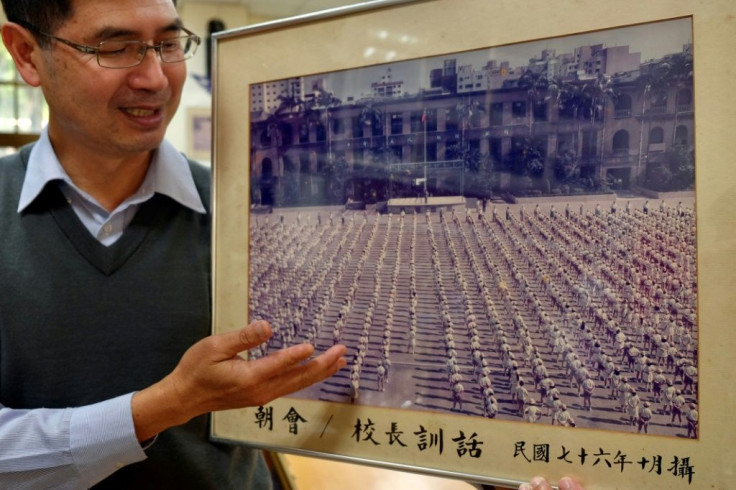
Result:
{"points": [[469, 134]]}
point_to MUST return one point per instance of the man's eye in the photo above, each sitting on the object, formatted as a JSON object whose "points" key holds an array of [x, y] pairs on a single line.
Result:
{"points": [[113, 49], [171, 46]]}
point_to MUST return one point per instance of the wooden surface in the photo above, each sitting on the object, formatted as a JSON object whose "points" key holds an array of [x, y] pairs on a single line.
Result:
{"points": [[320, 474]]}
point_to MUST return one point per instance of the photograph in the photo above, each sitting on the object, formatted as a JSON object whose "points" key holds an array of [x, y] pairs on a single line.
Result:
{"points": [[502, 233], [498, 212]]}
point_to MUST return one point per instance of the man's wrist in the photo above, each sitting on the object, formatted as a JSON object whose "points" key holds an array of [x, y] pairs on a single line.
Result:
{"points": [[155, 409]]}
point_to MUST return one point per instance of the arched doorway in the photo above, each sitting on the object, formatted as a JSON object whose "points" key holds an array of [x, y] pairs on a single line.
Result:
{"points": [[267, 183]]}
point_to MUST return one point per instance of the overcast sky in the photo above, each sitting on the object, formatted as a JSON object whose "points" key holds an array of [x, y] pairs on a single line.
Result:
{"points": [[652, 40]]}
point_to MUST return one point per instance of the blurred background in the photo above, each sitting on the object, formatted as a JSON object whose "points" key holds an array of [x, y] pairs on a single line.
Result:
{"points": [[23, 114]]}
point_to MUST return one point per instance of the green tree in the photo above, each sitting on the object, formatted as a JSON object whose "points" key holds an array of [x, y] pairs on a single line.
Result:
{"points": [[599, 92], [289, 103], [674, 71], [526, 158], [572, 101], [567, 166], [536, 85], [371, 115]]}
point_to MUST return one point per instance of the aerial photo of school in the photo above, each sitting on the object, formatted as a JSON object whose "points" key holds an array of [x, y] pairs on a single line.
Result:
{"points": [[505, 233]]}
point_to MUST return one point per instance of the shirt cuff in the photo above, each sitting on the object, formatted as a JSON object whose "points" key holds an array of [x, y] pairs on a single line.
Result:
{"points": [[102, 438]]}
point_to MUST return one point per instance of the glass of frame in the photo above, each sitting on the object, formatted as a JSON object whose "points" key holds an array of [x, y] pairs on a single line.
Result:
{"points": [[499, 223]]}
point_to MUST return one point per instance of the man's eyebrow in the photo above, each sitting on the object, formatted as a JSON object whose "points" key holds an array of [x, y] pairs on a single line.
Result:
{"points": [[111, 32]]}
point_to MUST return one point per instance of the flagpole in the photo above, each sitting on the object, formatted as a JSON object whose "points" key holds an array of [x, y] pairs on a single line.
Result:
{"points": [[424, 120]]}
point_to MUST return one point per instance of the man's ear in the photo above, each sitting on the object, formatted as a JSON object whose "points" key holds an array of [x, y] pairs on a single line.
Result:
{"points": [[25, 51]]}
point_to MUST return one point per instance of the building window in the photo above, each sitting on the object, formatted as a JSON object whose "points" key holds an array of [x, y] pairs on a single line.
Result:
{"points": [[304, 163], [496, 117], [266, 169], [497, 150], [659, 102], [540, 111], [684, 100], [518, 108], [265, 137], [417, 125], [565, 143], [377, 129], [621, 142], [656, 136], [431, 122], [357, 127], [589, 149], [681, 135], [304, 133], [396, 153], [338, 126], [321, 132], [431, 152], [451, 122], [397, 124], [623, 106], [23, 111]]}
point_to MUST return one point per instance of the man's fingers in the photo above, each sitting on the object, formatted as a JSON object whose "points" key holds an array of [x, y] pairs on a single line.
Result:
{"points": [[567, 483], [536, 483], [299, 376], [285, 371], [230, 344], [279, 362]]}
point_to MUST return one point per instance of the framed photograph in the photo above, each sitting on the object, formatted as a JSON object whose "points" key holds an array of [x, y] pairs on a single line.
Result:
{"points": [[516, 219], [199, 133]]}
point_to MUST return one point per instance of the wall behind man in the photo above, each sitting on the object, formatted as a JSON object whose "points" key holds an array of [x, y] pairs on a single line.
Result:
{"points": [[196, 97]]}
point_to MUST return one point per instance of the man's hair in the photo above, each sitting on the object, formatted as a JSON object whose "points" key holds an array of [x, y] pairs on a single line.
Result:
{"points": [[45, 15]]}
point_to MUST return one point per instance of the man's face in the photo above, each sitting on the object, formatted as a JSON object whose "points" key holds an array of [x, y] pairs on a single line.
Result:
{"points": [[112, 112]]}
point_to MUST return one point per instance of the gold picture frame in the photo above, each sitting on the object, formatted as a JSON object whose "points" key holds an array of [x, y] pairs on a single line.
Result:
{"points": [[500, 452]]}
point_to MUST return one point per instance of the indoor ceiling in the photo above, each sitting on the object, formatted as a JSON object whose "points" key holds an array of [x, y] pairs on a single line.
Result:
{"points": [[276, 9]]}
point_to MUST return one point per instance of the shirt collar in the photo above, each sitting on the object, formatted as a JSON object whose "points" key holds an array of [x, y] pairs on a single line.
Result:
{"points": [[169, 174]]}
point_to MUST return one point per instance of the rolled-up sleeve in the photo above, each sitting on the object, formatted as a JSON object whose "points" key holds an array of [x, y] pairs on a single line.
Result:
{"points": [[69, 448]]}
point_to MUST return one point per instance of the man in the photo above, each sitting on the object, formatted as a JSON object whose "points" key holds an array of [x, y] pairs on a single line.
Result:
{"points": [[588, 386], [564, 418], [692, 421], [645, 415], [532, 413], [105, 269]]}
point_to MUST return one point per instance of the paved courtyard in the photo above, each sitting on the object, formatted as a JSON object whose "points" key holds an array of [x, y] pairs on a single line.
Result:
{"points": [[438, 308]]}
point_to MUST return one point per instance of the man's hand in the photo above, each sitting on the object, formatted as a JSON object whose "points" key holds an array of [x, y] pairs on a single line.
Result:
{"points": [[539, 483], [212, 376]]}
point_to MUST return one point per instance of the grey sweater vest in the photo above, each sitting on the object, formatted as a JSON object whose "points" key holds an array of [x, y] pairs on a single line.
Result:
{"points": [[81, 322]]}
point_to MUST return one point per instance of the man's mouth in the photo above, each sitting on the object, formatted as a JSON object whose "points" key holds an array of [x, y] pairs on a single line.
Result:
{"points": [[136, 112]]}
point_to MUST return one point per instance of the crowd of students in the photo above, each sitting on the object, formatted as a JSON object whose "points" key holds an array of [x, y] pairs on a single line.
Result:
{"points": [[539, 311]]}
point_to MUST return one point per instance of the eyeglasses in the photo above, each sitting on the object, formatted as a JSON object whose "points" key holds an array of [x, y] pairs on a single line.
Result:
{"points": [[126, 54]]}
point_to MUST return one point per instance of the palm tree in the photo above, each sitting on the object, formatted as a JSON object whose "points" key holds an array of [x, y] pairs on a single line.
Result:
{"points": [[371, 115], [289, 103], [466, 109], [570, 99], [680, 74], [600, 92], [535, 85], [318, 111], [674, 70]]}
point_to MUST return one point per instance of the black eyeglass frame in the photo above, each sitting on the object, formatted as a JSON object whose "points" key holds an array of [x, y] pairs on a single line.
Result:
{"points": [[143, 50]]}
